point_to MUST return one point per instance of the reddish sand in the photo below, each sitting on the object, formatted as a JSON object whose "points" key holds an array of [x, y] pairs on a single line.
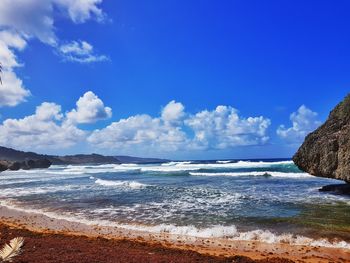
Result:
{"points": [[49, 239], [64, 248]]}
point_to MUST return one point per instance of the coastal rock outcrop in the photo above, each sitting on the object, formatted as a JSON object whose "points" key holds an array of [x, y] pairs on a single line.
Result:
{"points": [[25, 165], [3, 166], [326, 151]]}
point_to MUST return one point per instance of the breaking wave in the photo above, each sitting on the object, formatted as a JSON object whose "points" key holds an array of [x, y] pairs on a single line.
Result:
{"points": [[265, 173], [229, 233], [127, 184]]}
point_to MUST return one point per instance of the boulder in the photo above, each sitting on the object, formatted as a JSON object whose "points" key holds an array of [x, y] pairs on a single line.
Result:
{"points": [[3, 166], [41, 163], [342, 189], [326, 151], [15, 166], [25, 165]]}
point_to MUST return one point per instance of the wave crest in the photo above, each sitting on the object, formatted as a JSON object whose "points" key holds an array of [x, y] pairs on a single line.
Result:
{"points": [[264, 173], [125, 184]]}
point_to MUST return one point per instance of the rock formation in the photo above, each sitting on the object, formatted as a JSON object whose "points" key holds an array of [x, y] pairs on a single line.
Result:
{"points": [[25, 165], [326, 151]]}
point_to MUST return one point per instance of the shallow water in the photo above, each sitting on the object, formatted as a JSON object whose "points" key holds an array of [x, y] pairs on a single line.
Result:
{"points": [[234, 199]]}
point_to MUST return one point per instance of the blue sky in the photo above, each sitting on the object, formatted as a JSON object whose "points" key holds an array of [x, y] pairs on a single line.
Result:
{"points": [[150, 75]]}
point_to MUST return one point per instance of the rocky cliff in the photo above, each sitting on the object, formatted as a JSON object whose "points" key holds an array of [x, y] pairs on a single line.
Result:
{"points": [[25, 165], [326, 151]]}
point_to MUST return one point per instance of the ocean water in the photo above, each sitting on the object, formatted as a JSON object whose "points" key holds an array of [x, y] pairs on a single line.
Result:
{"points": [[267, 200]]}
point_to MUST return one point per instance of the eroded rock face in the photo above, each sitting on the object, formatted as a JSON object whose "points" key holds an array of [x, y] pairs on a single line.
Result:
{"points": [[25, 165], [326, 151], [3, 166]]}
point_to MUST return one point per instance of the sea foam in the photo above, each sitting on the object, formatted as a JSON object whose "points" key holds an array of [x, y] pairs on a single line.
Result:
{"points": [[264, 173], [230, 233], [127, 184]]}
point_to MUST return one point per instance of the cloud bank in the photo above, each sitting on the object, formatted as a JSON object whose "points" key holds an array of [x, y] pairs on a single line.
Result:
{"points": [[45, 129], [173, 130]]}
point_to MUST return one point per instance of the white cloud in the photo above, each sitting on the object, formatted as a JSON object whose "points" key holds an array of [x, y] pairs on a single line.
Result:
{"points": [[303, 121], [50, 128], [82, 10], [89, 110], [81, 52], [174, 130], [218, 129], [22, 20], [223, 128], [42, 130], [140, 132], [35, 18], [30, 18], [12, 90], [173, 112]]}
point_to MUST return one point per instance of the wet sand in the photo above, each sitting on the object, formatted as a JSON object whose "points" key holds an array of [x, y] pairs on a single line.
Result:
{"points": [[49, 239]]}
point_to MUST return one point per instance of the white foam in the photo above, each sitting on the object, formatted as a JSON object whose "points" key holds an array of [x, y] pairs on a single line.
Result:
{"points": [[266, 173], [22, 191], [189, 166], [175, 163], [223, 161], [128, 184], [70, 170], [94, 169], [215, 231]]}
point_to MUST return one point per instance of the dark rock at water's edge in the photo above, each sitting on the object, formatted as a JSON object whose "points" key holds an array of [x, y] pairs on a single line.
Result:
{"points": [[343, 189], [14, 166], [3, 166], [25, 165], [326, 151]]}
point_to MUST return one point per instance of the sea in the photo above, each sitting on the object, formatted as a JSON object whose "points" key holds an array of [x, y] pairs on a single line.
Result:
{"points": [[261, 200]]}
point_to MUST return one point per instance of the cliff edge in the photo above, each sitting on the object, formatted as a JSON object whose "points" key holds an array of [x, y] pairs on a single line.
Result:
{"points": [[326, 151]]}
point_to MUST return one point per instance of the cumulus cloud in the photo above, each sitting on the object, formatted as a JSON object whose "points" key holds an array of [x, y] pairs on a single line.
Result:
{"points": [[82, 10], [30, 18], [21, 21], [303, 121], [42, 130], [173, 112], [144, 133], [223, 128], [139, 132], [80, 51], [35, 18], [48, 127], [12, 90], [173, 130], [89, 110]]}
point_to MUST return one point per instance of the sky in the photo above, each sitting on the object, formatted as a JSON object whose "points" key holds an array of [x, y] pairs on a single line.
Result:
{"points": [[170, 79]]}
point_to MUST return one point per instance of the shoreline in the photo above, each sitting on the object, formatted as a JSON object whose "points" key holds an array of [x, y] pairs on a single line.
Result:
{"points": [[63, 248], [216, 247]]}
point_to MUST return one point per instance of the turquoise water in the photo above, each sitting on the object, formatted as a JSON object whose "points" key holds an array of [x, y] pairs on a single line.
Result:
{"points": [[217, 197]]}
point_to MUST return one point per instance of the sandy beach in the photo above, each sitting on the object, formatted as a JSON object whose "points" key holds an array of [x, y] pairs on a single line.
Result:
{"points": [[58, 240]]}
